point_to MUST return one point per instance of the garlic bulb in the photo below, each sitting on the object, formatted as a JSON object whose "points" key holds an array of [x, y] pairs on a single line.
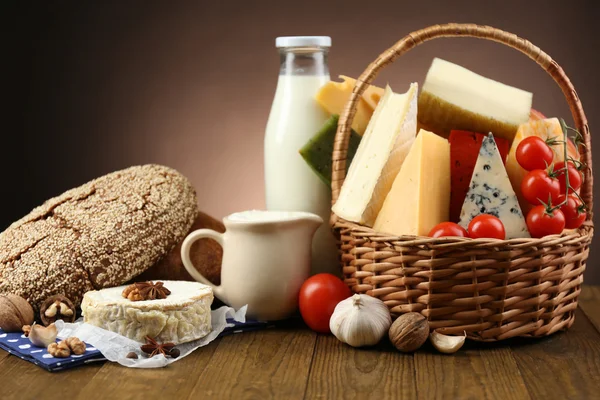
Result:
{"points": [[360, 320]]}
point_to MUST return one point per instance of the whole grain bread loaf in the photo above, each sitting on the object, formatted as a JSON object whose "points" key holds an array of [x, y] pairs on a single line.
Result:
{"points": [[98, 235]]}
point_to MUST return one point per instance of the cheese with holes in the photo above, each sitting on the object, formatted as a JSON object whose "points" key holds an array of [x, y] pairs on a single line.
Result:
{"points": [[182, 317], [333, 97], [381, 152], [545, 129], [455, 98], [420, 195], [490, 192]]}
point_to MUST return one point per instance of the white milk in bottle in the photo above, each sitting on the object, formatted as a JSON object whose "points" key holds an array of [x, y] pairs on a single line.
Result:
{"points": [[295, 117]]}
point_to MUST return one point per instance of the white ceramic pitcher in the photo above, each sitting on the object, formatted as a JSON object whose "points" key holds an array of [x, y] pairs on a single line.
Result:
{"points": [[266, 258]]}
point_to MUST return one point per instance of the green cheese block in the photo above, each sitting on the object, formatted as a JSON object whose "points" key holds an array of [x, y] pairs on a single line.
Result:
{"points": [[318, 150]]}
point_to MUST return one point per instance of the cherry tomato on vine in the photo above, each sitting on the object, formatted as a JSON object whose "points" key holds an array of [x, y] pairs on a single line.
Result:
{"points": [[538, 185], [572, 209], [541, 223], [486, 226], [533, 153], [574, 176], [318, 297], [448, 229]]}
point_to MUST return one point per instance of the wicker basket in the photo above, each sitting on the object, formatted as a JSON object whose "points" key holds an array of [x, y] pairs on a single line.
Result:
{"points": [[492, 289]]}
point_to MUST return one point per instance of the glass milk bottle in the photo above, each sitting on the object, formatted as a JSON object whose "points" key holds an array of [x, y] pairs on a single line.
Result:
{"points": [[295, 117]]}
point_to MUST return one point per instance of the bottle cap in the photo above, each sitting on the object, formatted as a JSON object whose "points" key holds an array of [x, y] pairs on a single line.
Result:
{"points": [[300, 41]]}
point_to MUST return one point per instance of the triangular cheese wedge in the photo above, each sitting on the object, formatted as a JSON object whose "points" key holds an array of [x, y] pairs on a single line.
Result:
{"points": [[420, 195], [382, 150], [490, 192]]}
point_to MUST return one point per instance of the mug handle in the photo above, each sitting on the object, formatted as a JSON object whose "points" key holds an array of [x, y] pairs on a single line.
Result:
{"points": [[187, 262]]}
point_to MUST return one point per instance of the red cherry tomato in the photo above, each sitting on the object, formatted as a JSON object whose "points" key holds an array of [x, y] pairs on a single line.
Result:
{"points": [[533, 153], [319, 295], [448, 229], [574, 176], [537, 186], [574, 215], [486, 226], [540, 223]]}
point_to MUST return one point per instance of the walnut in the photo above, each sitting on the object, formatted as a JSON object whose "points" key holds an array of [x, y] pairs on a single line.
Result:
{"points": [[15, 312], [77, 346], [59, 350], [409, 332], [26, 330], [55, 308]]}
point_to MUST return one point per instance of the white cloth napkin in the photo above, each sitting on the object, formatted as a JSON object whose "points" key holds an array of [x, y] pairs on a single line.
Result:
{"points": [[115, 347]]}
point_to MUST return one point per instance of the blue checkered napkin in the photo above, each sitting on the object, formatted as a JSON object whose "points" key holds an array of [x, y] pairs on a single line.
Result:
{"points": [[19, 345]]}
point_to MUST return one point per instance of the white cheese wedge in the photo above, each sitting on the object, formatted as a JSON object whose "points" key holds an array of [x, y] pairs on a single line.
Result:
{"points": [[455, 98], [382, 150], [182, 317], [490, 192], [420, 195]]}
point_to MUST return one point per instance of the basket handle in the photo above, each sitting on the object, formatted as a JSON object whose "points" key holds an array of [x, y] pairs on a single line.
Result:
{"points": [[455, 30]]}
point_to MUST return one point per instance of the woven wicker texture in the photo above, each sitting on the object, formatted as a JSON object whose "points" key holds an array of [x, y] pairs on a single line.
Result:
{"points": [[492, 289]]}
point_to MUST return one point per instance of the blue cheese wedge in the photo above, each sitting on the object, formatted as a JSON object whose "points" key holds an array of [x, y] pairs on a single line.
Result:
{"points": [[490, 192]]}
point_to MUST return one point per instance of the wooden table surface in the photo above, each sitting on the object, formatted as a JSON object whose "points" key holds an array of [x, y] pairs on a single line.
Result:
{"points": [[296, 363]]}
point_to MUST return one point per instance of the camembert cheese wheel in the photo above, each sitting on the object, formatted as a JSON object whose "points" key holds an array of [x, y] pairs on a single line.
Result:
{"points": [[182, 317]]}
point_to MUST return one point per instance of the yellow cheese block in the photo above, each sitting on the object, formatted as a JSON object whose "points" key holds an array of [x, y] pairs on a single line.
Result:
{"points": [[420, 196], [333, 97], [545, 129]]}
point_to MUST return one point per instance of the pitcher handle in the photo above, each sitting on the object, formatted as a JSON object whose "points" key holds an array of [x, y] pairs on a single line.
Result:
{"points": [[187, 261]]}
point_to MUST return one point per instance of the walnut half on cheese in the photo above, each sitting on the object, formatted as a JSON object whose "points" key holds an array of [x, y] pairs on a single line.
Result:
{"points": [[182, 317]]}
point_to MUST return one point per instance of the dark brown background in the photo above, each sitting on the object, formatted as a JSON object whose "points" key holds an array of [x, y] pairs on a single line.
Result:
{"points": [[100, 86]]}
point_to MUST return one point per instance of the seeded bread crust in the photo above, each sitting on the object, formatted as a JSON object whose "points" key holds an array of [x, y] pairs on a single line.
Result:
{"points": [[98, 235]]}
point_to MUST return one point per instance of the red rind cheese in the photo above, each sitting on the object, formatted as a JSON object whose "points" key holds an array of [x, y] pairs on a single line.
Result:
{"points": [[464, 150]]}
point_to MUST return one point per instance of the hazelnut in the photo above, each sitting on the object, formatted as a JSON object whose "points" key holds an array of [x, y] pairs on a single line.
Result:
{"points": [[409, 332], [132, 355], [55, 308], [15, 312]]}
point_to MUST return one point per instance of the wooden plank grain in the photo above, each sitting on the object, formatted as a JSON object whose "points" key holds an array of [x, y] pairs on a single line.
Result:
{"points": [[477, 371], [174, 381], [20, 379], [268, 364], [565, 365], [589, 302], [343, 372]]}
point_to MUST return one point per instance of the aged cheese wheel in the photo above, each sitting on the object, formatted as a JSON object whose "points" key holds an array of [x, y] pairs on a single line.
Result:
{"points": [[98, 235], [181, 317]]}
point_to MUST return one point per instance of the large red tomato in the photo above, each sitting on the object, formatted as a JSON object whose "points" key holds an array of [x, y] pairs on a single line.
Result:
{"points": [[319, 295]]}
